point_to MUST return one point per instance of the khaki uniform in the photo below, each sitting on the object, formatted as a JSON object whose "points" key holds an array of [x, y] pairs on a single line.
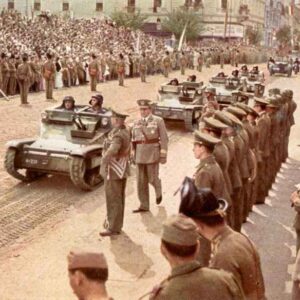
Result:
{"points": [[12, 86], [94, 73], [222, 60], [209, 175], [150, 142], [243, 261], [191, 281], [49, 74], [121, 71], [166, 64], [23, 77], [115, 170], [143, 69], [200, 62], [4, 67], [182, 63]]}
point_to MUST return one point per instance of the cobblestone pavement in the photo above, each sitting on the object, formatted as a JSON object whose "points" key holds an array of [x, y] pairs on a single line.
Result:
{"points": [[41, 221]]}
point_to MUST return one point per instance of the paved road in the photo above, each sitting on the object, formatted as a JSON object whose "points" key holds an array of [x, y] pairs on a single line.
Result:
{"points": [[41, 221]]}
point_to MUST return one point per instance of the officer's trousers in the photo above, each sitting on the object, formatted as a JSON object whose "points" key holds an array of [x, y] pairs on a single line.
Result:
{"points": [[115, 203], [121, 78], [147, 174], [93, 83], [23, 91], [143, 76], [49, 88]]}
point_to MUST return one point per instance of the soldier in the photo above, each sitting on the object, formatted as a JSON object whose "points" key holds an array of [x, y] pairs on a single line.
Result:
{"points": [[88, 273], [93, 72], [12, 76], [200, 61], [65, 73], [233, 169], [115, 170], [221, 153], [150, 146], [264, 124], [49, 75], [4, 68], [222, 59], [208, 175], [188, 279], [121, 69], [182, 63], [96, 103], [166, 61], [68, 104], [23, 78], [209, 212], [143, 67]]}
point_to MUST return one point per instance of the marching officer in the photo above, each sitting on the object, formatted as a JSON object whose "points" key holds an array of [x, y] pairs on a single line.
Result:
{"points": [[150, 146], [183, 63], [166, 61], [115, 170], [121, 69], [49, 74]]}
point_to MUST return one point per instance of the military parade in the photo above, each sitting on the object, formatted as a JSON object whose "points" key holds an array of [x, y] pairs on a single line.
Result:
{"points": [[149, 164]]}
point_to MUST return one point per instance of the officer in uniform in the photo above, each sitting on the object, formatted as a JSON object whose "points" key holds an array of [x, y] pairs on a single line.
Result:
{"points": [[68, 103], [222, 59], [189, 279], [48, 71], [88, 273], [4, 68], [115, 170], [96, 103], [230, 250], [150, 146], [182, 63], [94, 72], [23, 78]]}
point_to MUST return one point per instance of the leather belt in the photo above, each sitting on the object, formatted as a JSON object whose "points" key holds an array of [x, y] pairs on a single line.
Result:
{"points": [[153, 141]]}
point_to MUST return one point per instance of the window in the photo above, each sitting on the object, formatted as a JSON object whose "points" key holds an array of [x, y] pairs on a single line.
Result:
{"points": [[156, 4], [224, 4], [99, 6], [37, 5], [11, 4], [131, 6], [66, 6]]}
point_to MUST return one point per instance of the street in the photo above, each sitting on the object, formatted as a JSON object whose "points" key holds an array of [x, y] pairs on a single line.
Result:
{"points": [[41, 221]]}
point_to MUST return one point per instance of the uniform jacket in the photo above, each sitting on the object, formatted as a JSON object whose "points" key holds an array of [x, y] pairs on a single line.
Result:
{"points": [[153, 129], [49, 70], [235, 253], [209, 175], [221, 154], [23, 72], [93, 68], [191, 281], [263, 123], [116, 149]]}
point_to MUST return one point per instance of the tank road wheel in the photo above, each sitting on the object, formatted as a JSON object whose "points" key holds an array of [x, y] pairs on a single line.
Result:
{"points": [[85, 179]]}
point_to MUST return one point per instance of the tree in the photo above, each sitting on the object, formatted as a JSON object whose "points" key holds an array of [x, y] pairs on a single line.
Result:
{"points": [[177, 19], [254, 35], [284, 35], [132, 20]]}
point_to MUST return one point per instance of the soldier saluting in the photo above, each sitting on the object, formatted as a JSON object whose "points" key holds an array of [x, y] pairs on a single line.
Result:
{"points": [[150, 145]]}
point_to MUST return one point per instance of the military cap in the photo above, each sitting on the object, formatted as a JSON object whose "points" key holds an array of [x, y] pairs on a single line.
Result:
{"points": [[98, 97], [253, 112], [287, 93], [180, 230], [197, 203], [81, 259], [219, 115], [144, 103], [274, 91], [260, 101], [214, 124], [118, 115], [69, 98], [233, 118], [205, 139], [239, 113], [273, 102], [244, 107]]}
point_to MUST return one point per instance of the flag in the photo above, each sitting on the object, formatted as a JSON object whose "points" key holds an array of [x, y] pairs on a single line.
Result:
{"points": [[182, 37]]}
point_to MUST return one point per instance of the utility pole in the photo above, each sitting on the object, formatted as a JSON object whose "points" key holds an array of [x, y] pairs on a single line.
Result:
{"points": [[226, 20], [292, 22]]}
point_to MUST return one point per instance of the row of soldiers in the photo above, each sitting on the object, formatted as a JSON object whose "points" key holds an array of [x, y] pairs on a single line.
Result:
{"points": [[248, 144]]}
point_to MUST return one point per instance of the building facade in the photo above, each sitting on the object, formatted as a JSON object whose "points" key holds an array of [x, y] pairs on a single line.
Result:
{"points": [[222, 18]]}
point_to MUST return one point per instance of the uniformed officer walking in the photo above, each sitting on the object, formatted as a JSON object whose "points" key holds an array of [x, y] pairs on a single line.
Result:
{"points": [[150, 146], [189, 279], [93, 72], [143, 67], [115, 170]]}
